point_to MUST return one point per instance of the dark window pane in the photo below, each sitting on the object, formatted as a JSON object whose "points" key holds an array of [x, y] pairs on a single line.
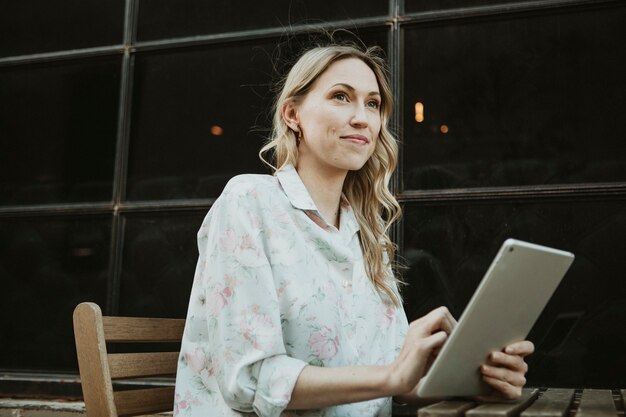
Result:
{"points": [[158, 19], [413, 6], [160, 255], [579, 337], [200, 116], [522, 101], [58, 131], [35, 26], [47, 267]]}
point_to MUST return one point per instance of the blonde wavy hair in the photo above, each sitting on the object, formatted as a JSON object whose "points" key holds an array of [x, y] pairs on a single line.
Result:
{"points": [[367, 189]]}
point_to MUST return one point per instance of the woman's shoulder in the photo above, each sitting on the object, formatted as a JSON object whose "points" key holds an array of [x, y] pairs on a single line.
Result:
{"points": [[250, 185], [248, 192], [243, 194]]}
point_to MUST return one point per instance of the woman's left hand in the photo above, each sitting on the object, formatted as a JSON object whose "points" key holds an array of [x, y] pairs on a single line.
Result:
{"points": [[505, 371]]}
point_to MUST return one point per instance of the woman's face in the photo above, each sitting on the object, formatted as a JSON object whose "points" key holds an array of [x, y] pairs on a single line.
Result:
{"points": [[340, 118]]}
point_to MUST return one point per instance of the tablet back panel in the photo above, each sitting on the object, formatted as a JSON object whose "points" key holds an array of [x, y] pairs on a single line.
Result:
{"points": [[506, 304]]}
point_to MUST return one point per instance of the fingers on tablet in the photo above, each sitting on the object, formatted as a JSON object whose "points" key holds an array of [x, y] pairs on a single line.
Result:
{"points": [[523, 348], [514, 362]]}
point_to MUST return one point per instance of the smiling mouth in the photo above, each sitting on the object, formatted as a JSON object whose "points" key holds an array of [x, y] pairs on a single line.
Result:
{"points": [[358, 139]]}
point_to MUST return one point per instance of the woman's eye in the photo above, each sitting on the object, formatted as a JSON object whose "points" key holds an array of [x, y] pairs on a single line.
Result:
{"points": [[341, 96], [373, 104]]}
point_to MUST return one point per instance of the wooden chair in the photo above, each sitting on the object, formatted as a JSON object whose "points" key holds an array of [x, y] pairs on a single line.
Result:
{"points": [[92, 332]]}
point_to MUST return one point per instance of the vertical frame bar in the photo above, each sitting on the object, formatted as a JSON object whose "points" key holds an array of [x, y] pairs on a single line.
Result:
{"points": [[121, 157], [396, 85]]}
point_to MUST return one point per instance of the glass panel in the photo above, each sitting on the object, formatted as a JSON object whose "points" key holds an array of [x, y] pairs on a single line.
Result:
{"points": [[157, 19], [579, 337], [58, 130], [47, 267], [414, 6], [35, 26], [196, 117], [160, 255], [524, 101]]}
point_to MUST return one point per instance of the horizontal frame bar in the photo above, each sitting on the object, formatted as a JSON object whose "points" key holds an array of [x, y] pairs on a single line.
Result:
{"points": [[501, 9], [529, 193], [227, 37]]}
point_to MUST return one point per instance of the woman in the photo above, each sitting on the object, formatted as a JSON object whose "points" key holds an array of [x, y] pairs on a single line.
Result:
{"points": [[294, 305]]}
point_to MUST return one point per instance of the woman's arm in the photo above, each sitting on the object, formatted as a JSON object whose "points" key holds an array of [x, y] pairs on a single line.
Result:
{"points": [[318, 387]]}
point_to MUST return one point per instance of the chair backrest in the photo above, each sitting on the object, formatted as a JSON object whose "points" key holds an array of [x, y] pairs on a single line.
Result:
{"points": [[97, 368]]}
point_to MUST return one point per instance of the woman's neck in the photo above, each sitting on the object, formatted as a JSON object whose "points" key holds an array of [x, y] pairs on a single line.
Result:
{"points": [[325, 187]]}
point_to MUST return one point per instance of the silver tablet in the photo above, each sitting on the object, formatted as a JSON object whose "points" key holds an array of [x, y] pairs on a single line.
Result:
{"points": [[506, 304]]}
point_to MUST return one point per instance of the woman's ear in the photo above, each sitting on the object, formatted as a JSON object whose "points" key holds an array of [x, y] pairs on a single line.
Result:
{"points": [[289, 111]]}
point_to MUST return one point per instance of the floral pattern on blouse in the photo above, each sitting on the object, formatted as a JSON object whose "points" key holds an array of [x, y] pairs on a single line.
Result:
{"points": [[277, 288]]}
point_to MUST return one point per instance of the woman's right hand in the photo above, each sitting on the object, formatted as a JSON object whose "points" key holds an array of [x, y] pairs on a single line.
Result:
{"points": [[423, 341]]}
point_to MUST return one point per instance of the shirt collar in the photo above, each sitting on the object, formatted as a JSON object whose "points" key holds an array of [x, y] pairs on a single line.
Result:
{"points": [[296, 192], [300, 198]]}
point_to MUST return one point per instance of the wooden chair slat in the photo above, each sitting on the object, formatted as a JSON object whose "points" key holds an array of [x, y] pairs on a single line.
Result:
{"points": [[93, 366], [140, 329], [596, 403], [505, 409], [552, 403], [445, 409], [142, 401], [124, 365], [97, 367]]}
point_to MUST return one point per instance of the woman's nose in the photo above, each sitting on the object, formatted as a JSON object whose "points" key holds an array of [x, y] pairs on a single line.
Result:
{"points": [[359, 118]]}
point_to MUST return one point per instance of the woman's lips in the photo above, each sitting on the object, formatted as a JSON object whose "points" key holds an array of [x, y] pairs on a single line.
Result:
{"points": [[358, 139]]}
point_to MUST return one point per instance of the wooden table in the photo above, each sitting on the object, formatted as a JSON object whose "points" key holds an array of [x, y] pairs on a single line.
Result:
{"points": [[551, 402]]}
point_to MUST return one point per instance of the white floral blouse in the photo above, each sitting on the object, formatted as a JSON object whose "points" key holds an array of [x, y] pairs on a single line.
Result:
{"points": [[277, 288]]}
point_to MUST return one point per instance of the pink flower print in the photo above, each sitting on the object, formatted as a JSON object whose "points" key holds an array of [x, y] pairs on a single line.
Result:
{"points": [[231, 283], [386, 318], [281, 290], [246, 242], [227, 241], [259, 331], [254, 219], [218, 298], [248, 253], [216, 303], [281, 216], [182, 404], [323, 343], [227, 292], [196, 360], [228, 357]]}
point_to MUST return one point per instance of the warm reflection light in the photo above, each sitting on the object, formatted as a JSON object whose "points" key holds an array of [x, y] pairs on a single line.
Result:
{"points": [[216, 130], [419, 112], [83, 251], [444, 129]]}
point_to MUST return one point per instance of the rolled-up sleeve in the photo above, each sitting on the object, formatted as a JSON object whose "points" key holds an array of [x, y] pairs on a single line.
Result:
{"points": [[245, 339]]}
